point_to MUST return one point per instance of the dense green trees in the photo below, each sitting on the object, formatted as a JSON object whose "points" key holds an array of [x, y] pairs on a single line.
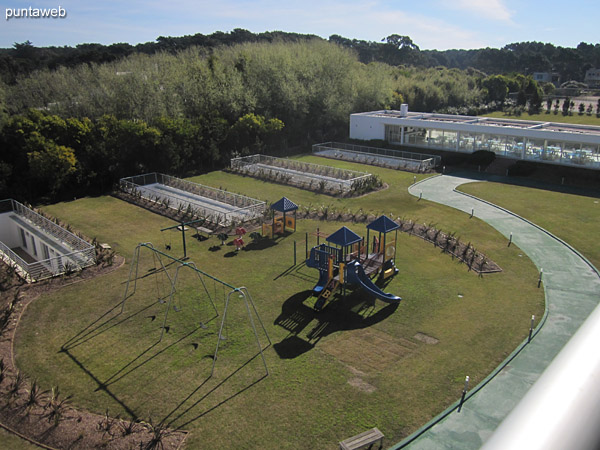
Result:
{"points": [[521, 57], [190, 111], [47, 157]]}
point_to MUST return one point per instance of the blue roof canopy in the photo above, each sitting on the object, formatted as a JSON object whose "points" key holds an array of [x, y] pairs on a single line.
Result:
{"points": [[383, 224], [284, 205], [343, 237]]}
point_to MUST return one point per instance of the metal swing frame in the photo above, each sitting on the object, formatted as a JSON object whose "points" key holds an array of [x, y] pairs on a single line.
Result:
{"points": [[242, 292]]}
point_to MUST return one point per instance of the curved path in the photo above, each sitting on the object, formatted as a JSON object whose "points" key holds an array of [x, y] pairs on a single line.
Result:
{"points": [[572, 288]]}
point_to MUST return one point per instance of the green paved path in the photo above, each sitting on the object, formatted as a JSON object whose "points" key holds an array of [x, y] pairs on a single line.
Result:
{"points": [[572, 288]]}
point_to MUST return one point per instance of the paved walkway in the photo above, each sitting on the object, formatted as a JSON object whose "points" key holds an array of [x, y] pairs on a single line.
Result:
{"points": [[572, 290]]}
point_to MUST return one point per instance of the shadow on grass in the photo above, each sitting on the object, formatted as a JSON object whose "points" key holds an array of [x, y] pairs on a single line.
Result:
{"points": [[260, 244], [181, 410], [102, 325], [355, 311]]}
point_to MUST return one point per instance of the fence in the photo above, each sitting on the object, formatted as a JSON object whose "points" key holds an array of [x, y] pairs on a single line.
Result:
{"points": [[298, 173], [194, 198], [79, 253], [375, 156]]}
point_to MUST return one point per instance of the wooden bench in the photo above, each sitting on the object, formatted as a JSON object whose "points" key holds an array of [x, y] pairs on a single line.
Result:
{"points": [[368, 438]]}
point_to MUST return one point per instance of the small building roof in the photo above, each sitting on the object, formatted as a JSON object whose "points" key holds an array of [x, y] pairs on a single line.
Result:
{"points": [[284, 205], [343, 237], [383, 224]]}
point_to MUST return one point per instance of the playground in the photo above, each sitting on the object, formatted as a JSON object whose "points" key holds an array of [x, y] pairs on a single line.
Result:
{"points": [[389, 352]]}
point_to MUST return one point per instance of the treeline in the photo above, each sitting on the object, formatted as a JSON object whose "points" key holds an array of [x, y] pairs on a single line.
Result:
{"points": [[25, 58], [46, 157], [521, 57], [71, 131]]}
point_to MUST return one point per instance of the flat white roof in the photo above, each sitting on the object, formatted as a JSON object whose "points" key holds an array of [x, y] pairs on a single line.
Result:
{"points": [[475, 124]]}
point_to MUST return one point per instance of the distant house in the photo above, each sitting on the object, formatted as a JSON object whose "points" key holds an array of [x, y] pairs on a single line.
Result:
{"points": [[547, 77], [592, 77]]}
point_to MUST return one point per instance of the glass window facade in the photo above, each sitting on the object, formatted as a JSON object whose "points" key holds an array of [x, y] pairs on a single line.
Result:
{"points": [[552, 151]]}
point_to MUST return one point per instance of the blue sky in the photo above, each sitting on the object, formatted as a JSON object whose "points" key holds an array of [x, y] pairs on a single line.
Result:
{"points": [[431, 24]]}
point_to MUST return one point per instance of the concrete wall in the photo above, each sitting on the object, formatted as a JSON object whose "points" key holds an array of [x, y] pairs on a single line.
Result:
{"points": [[9, 234], [366, 127]]}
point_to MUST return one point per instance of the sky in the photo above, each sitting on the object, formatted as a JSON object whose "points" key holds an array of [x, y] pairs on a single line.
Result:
{"points": [[431, 24]]}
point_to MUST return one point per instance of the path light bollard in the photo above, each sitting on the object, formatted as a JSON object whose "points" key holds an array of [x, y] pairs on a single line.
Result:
{"points": [[464, 392], [531, 328], [420, 195], [510, 239], [472, 212], [540, 278], [414, 179], [443, 169]]}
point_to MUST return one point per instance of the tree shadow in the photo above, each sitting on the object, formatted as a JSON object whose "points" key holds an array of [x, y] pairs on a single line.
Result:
{"points": [[354, 311]]}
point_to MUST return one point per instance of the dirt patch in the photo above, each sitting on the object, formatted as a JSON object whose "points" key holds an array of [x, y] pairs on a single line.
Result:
{"points": [[361, 385], [426, 339], [367, 351]]}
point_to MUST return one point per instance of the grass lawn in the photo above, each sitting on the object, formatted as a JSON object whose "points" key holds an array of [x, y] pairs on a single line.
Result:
{"points": [[12, 442], [573, 218], [359, 363], [575, 118]]}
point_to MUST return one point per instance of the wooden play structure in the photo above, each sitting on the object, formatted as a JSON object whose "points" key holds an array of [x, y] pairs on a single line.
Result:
{"points": [[283, 221]]}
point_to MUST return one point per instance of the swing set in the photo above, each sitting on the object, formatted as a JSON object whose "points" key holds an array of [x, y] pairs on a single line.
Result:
{"points": [[182, 226], [169, 296]]}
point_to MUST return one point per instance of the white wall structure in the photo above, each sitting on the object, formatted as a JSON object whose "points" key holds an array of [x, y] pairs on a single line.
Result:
{"points": [[38, 248], [548, 142]]}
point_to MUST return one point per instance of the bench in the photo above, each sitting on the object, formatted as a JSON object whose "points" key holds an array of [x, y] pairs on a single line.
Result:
{"points": [[204, 230], [368, 438]]}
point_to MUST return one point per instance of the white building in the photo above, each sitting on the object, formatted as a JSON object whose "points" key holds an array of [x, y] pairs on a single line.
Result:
{"points": [[557, 143], [592, 77], [547, 77], [37, 247]]}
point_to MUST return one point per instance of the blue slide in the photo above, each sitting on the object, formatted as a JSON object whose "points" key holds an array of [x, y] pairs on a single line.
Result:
{"points": [[356, 275], [323, 279]]}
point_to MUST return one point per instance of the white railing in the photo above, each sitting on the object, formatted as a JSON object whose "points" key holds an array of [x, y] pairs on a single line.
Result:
{"points": [[82, 254], [243, 208], [299, 173], [375, 156]]}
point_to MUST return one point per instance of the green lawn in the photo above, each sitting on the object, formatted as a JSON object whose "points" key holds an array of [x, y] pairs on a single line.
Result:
{"points": [[333, 374], [573, 218], [13, 442], [575, 118]]}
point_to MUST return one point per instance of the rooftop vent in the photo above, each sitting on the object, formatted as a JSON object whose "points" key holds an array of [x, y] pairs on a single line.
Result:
{"points": [[403, 110]]}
